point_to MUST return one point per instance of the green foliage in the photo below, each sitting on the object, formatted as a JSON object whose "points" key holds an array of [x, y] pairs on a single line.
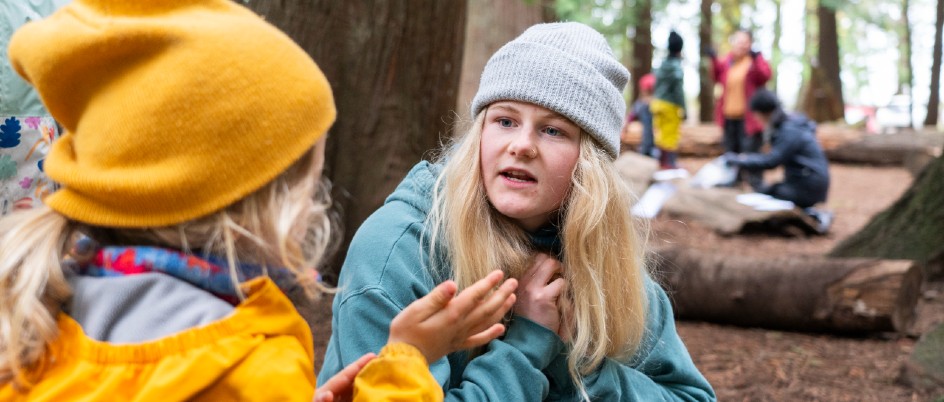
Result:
{"points": [[613, 18]]}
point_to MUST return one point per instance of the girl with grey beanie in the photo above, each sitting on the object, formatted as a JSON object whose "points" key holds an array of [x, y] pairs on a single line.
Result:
{"points": [[530, 189]]}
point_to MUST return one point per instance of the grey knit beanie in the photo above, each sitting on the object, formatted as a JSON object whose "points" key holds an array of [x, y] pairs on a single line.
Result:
{"points": [[566, 67]]}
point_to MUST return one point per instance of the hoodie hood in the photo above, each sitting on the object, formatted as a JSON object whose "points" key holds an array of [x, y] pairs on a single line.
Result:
{"points": [[416, 189]]}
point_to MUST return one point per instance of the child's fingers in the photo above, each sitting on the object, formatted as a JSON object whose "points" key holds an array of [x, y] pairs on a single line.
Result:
{"points": [[473, 295], [495, 304], [436, 300], [324, 396], [343, 381], [484, 337], [494, 316]]}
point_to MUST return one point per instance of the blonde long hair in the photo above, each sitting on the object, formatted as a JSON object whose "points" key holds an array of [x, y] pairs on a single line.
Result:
{"points": [[286, 223], [604, 259]]}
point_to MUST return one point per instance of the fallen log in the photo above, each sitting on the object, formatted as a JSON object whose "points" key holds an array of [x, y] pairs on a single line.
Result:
{"points": [[910, 149], [798, 293], [840, 143], [718, 209]]}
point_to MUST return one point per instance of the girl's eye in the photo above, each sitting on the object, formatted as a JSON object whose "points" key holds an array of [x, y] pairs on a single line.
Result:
{"points": [[505, 122], [553, 132]]}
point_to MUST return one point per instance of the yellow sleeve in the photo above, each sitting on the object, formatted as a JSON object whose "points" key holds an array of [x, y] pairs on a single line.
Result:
{"points": [[399, 373]]}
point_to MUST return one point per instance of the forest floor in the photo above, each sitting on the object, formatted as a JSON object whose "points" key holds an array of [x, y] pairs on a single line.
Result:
{"points": [[749, 364]]}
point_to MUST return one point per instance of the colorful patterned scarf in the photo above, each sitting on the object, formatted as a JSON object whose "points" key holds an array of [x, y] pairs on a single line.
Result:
{"points": [[208, 273]]}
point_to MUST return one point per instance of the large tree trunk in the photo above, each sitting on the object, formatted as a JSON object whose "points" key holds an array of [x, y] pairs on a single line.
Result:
{"points": [[823, 100], [394, 69], [706, 90], [491, 24], [912, 228], [801, 294], [641, 62], [935, 99]]}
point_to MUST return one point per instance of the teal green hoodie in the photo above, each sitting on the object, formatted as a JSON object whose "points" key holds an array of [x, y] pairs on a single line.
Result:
{"points": [[386, 269]]}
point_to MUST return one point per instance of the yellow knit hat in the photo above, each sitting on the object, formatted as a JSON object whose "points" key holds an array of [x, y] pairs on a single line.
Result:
{"points": [[173, 109]]}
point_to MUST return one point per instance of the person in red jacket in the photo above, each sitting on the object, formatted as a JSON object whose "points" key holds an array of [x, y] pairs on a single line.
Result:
{"points": [[740, 73]]}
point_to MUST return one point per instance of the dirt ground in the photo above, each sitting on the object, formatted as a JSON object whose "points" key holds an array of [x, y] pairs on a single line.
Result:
{"points": [[745, 364]]}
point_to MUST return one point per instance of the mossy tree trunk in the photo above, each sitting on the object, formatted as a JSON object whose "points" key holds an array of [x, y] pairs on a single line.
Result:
{"points": [[912, 228], [394, 68]]}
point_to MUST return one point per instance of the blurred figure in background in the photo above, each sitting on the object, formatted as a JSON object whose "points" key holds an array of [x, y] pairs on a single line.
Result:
{"points": [[668, 107], [740, 73], [793, 144], [641, 113]]}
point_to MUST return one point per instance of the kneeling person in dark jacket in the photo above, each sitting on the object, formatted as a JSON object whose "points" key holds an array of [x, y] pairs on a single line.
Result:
{"points": [[793, 145]]}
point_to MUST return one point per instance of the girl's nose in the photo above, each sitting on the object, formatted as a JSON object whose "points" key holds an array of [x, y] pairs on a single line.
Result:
{"points": [[523, 145]]}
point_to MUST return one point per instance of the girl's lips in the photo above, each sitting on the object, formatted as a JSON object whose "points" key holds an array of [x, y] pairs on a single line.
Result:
{"points": [[517, 175]]}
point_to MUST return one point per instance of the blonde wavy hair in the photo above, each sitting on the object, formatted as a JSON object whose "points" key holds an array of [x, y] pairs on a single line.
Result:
{"points": [[286, 223], [604, 260]]}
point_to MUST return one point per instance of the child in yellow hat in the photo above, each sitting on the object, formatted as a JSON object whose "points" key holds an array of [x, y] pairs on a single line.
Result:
{"points": [[190, 163]]}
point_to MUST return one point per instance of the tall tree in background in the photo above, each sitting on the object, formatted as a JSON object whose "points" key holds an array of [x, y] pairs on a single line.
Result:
{"points": [[626, 24], [706, 87], [935, 99], [640, 62], [394, 68], [822, 98], [776, 55], [905, 76], [491, 24]]}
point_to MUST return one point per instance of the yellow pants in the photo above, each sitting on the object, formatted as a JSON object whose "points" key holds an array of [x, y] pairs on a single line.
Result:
{"points": [[666, 124]]}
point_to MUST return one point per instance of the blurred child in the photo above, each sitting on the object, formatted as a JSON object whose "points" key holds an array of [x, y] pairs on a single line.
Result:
{"points": [[190, 167], [668, 107], [641, 113]]}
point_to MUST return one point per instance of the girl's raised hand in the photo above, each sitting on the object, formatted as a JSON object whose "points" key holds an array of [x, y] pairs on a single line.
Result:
{"points": [[540, 288], [441, 322]]}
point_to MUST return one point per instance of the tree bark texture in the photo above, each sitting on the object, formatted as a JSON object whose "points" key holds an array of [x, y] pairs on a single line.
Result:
{"points": [[824, 100], [706, 87], [641, 63], [912, 228], [799, 294], [934, 100], [394, 68], [491, 24]]}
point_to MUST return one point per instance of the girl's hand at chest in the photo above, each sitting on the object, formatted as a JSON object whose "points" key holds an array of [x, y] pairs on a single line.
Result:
{"points": [[539, 290]]}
